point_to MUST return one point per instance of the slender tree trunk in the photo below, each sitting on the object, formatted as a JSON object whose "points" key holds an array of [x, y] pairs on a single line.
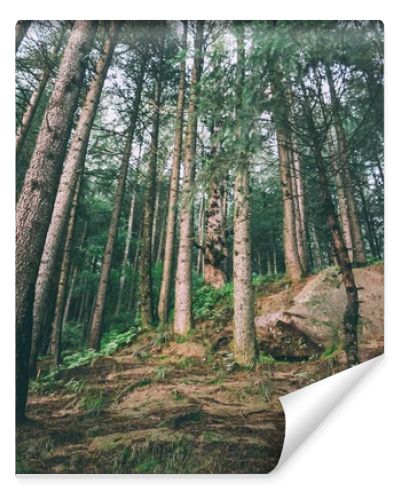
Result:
{"points": [[71, 287], [132, 289], [82, 301], [292, 259], [342, 203], [200, 232], [126, 255], [35, 204], [183, 317], [156, 216], [275, 259], [246, 349], [165, 290], [73, 166], [146, 293], [299, 208], [298, 194], [98, 313], [373, 244], [56, 330], [283, 137], [162, 236], [351, 315], [358, 244], [33, 104], [20, 31]]}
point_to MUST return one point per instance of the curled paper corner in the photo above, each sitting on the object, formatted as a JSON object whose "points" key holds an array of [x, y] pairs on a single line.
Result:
{"points": [[308, 407]]}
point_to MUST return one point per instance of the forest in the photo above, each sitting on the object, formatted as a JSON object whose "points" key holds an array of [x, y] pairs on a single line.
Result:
{"points": [[199, 230]]}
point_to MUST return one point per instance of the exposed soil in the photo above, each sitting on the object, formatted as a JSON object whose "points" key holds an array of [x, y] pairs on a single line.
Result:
{"points": [[185, 406]]}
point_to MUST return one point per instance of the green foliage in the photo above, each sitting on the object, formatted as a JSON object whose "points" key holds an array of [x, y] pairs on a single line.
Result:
{"points": [[93, 404], [154, 457], [188, 362], [113, 341], [266, 359], [161, 372], [330, 350], [80, 358], [211, 302], [72, 336]]}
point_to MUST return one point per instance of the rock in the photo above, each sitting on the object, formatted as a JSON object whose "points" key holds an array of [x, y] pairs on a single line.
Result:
{"points": [[313, 319]]}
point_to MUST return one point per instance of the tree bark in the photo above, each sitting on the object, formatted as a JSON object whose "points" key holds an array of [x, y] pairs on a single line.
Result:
{"points": [[21, 28], [36, 200], [71, 287], [126, 255], [216, 250], [200, 232], [246, 349], [298, 195], [56, 330], [341, 195], [146, 282], [358, 244], [165, 290], [162, 236], [73, 166], [299, 209], [98, 313], [283, 137], [33, 104], [183, 317], [351, 315]]}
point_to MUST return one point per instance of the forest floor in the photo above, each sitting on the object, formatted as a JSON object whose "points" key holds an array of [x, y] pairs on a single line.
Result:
{"points": [[181, 405]]}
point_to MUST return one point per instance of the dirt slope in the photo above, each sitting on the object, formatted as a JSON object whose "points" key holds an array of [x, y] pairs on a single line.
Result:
{"points": [[183, 406]]}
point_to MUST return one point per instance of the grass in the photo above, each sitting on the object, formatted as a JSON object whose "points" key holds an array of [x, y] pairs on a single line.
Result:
{"points": [[188, 362], [330, 351], [154, 457], [266, 359], [93, 404], [161, 372]]}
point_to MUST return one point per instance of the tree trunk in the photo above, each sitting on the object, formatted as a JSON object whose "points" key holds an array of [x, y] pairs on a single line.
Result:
{"points": [[283, 137], [56, 330], [292, 259], [69, 295], [33, 104], [299, 209], [21, 28], [275, 257], [131, 306], [165, 290], [126, 255], [358, 244], [35, 204], [200, 232], [162, 236], [73, 166], [183, 318], [342, 203], [298, 194], [146, 293], [216, 250], [371, 234], [246, 349], [351, 315], [98, 313], [156, 215]]}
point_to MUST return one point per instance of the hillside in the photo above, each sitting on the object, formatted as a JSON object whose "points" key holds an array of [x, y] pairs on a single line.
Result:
{"points": [[163, 404]]}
